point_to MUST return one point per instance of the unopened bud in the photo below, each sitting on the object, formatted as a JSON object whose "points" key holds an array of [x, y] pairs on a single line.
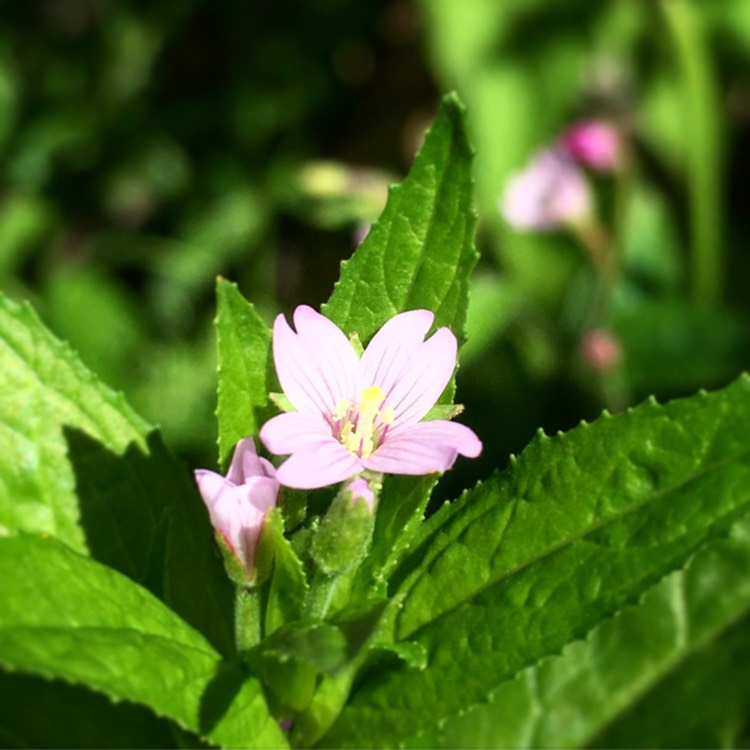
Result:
{"points": [[600, 350]]}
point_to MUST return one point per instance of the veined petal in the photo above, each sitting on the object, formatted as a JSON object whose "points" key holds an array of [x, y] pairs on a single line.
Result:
{"points": [[319, 465], [288, 432], [423, 378], [329, 351], [306, 376], [389, 352], [423, 448]]}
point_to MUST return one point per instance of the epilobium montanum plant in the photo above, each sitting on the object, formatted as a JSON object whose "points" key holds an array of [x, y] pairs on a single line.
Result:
{"points": [[582, 594]]}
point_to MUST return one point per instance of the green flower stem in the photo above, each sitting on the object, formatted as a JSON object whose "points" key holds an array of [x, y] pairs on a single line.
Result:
{"points": [[704, 148], [321, 593], [247, 617]]}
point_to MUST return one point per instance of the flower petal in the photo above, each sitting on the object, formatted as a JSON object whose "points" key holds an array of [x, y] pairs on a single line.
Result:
{"points": [[329, 350], [319, 465], [389, 352], [423, 378], [245, 462], [291, 431], [423, 448], [317, 365]]}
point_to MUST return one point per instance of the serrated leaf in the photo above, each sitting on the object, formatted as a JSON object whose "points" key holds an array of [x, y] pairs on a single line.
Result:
{"points": [[67, 617], [78, 464], [44, 387], [243, 342], [420, 253], [579, 527], [639, 679]]}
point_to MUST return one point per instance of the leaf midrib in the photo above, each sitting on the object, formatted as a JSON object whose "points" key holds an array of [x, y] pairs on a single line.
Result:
{"points": [[603, 523]]}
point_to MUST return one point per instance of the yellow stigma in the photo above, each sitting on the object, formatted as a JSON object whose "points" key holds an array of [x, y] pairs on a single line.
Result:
{"points": [[361, 426]]}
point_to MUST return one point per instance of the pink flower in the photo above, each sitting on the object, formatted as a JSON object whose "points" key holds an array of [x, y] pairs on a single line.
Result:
{"points": [[551, 192], [354, 413], [238, 503], [595, 143]]}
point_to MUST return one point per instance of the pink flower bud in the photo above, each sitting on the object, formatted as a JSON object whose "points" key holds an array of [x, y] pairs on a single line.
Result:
{"points": [[238, 503], [600, 350], [594, 143], [361, 490]]}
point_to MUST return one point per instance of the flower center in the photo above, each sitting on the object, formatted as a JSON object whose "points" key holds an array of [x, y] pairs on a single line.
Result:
{"points": [[361, 426]]}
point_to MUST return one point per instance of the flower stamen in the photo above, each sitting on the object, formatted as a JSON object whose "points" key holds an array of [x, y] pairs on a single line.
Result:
{"points": [[361, 426]]}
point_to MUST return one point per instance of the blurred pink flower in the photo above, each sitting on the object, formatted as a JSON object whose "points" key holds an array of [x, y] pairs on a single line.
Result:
{"points": [[600, 350], [551, 192], [595, 143], [238, 503], [354, 413]]}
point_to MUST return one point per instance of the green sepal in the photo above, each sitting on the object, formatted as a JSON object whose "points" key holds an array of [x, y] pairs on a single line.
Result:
{"points": [[356, 343], [444, 411], [281, 400], [344, 536], [236, 571]]}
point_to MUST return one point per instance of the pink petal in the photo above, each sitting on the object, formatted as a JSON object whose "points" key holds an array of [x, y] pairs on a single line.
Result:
{"points": [[245, 462], [289, 432], [330, 351], [391, 349], [319, 465], [317, 365], [423, 378], [211, 486], [423, 448]]}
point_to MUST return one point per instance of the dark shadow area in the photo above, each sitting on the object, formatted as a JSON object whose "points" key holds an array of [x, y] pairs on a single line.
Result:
{"points": [[219, 695], [143, 516], [35, 712]]}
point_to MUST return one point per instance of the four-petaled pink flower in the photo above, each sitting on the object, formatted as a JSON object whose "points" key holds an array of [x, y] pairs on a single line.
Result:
{"points": [[549, 193], [238, 503], [355, 414]]}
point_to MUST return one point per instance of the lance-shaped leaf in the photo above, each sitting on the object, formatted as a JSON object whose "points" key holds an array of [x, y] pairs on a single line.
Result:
{"points": [[68, 617], [78, 464], [639, 679], [579, 527], [419, 254], [243, 342]]}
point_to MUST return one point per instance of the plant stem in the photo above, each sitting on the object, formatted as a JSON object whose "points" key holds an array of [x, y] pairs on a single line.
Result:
{"points": [[247, 626], [704, 148]]}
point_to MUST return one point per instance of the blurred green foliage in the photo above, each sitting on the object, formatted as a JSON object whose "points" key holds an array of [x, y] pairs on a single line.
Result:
{"points": [[148, 147]]}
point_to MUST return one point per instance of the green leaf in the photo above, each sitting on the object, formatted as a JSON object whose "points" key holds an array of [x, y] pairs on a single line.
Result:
{"points": [[288, 590], [74, 717], [653, 662], [78, 464], [45, 386], [579, 527], [420, 253], [67, 617], [243, 341]]}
